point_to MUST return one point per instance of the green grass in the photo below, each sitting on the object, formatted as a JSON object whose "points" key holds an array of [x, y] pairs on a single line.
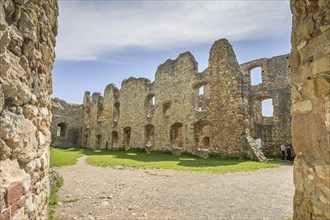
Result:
{"points": [[155, 160], [53, 197], [63, 157], [161, 160]]}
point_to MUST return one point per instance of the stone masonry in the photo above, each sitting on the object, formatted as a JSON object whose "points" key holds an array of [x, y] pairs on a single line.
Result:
{"points": [[67, 122], [27, 41], [310, 67], [183, 109], [275, 85]]}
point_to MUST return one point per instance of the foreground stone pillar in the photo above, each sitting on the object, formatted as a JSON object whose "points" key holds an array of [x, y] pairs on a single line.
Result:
{"points": [[27, 40], [310, 67]]}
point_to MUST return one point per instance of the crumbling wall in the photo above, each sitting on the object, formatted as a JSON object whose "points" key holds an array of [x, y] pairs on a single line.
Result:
{"points": [[275, 73], [310, 79], [133, 112], [66, 124], [94, 131], [228, 110], [174, 111], [27, 41], [183, 109]]}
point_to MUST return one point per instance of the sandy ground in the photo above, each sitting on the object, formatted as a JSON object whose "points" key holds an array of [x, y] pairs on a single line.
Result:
{"points": [[91, 192]]}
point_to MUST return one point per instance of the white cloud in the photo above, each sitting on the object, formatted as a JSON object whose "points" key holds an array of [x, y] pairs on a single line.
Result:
{"points": [[88, 30]]}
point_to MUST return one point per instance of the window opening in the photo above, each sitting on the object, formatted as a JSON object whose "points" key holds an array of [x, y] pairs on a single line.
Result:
{"points": [[267, 108], [256, 76], [61, 130]]}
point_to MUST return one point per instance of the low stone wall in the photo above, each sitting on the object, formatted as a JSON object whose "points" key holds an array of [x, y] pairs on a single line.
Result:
{"points": [[310, 69], [27, 36]]}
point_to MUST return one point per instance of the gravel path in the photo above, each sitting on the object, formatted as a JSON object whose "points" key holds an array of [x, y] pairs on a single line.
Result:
{"points": [[91, 192]]}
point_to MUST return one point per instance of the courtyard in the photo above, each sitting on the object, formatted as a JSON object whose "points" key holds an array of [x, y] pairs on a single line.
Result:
{"points": [[121, 192]]}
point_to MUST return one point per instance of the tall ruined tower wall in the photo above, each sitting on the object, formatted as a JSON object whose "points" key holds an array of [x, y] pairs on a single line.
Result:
{"points": [[276, 129], [27, 41], [227, 111], [132, 112], [174, 110], [310, 79]]}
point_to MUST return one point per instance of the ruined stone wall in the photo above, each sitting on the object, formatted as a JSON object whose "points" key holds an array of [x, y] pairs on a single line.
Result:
{"points": [[227, 111], [99, 118], [175, 112], [27, 41], [66, 124], [133, 117], [183, 109], [310, 79], [275, 72]]}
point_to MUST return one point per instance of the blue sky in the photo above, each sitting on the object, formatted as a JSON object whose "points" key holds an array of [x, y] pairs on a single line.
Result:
{"points": [[102, 42]]}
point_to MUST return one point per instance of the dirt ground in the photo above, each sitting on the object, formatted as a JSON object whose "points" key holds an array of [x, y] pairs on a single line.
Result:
{"points": [[91, 192]]}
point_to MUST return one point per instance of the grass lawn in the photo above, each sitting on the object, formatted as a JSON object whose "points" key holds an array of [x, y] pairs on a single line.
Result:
{"points": [[53, 197], [63, 157], [154, 160]]}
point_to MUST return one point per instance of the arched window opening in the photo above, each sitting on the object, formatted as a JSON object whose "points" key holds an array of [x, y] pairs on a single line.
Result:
{"points": [[150, 104], [116, 112], [203, 134], [114, 139], [267, 108], [61, 129], [150, 134], [200, 91], [206, 142], [166, 108], [176, 135], [256, 76], [98, 140], [127, 137]]}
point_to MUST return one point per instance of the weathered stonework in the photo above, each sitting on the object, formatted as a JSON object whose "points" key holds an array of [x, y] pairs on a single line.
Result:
{"points": [[183, 109], [275, 85], [310, 67], [66, 123], [27, 41]]}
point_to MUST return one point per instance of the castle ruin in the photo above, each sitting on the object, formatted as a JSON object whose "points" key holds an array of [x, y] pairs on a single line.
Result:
{"points": [[183, 109], [27, 41]]}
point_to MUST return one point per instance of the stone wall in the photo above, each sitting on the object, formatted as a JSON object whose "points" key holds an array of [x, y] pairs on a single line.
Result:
{"points": [[310, 79], [66, 124], [227, 112], [275, 73], [27, 41], [183, 109]]}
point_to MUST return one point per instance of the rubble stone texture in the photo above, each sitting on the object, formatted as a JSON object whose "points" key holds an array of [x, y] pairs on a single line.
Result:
{"points": [[67, 128], [275, 85], [310, 67], [183, 109], [27, 41]]}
